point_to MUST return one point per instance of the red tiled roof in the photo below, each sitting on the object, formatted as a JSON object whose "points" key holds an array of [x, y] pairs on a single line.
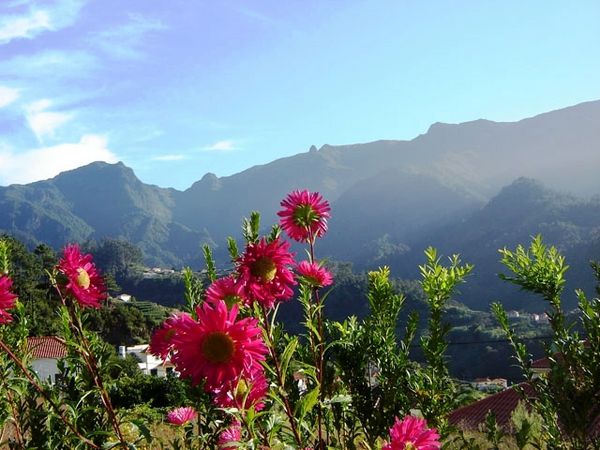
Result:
{"points": [[543, 363], [46, 347], [501, 404]]}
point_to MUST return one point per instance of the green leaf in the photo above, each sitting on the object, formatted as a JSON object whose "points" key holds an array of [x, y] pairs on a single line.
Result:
{"points": [[308, 402], [287, 355], [233, 248], [251, 227], [211, 271]]}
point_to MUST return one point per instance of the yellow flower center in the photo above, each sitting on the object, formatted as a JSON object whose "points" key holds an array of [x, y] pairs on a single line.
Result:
{"points": [[264, 268], [409, 446], [218, 347], [83, 278]]}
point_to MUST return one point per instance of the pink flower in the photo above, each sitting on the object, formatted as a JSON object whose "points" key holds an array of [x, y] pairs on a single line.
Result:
{"points": [[304, 215], [231, 434], [245, 392], [161, 344], [7, 299], [83, 280], [217, 347], [412, 433], [182, 416], [265, 272], [228, 289], [314, 274]]}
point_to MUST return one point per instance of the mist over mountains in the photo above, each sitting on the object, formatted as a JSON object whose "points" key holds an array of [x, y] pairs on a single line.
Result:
{"points": [[452, 187]]}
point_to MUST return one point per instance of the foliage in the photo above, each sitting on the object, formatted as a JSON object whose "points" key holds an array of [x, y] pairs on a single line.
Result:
{"points": [[574, 377], [156, 392], [335, 384]]}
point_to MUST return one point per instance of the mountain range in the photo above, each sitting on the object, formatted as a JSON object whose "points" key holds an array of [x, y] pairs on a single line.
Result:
{"points": [[453, 187]]}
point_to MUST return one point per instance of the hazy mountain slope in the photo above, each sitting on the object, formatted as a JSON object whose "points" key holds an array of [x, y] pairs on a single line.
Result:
{"points": [[561, 148], [379, 214], [219, 203], [387, 192], [520, 211]]}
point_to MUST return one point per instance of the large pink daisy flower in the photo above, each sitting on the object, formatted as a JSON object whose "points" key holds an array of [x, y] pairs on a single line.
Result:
{"points": [[84, 282], [161, 343], [314, 274], [228, 289], [245, 392], [182, 416], [7, 299], [304, 215], [217, 348], [264, 269], [411, 433]]}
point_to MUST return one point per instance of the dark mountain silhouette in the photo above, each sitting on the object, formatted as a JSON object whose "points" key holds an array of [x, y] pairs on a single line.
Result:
{"points": [[96, 201]]}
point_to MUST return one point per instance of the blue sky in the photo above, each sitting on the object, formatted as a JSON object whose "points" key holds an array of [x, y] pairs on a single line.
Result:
{"points": [[178, 88]]}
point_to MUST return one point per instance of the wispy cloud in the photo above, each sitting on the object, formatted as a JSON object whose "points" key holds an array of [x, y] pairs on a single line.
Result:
{"points": [[126, 41], [177, 157], [222, 146], [47, 162], [30, 20], [48, 65], [254, 15], [7, 96], [42, 122]]}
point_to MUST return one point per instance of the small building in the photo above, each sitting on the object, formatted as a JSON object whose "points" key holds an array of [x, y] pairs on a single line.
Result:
{"points": [[148, 363], [490, 384], [45, 353]]}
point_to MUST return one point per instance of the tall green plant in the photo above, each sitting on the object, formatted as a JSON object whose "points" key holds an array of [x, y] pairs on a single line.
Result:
{"points": [[568, 396], [435, 388]]}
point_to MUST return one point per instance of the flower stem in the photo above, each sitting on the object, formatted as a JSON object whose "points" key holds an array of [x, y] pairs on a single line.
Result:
{"points": [[92, 366], [288, 408], [13, 407], [44, 394], [320, 348]]}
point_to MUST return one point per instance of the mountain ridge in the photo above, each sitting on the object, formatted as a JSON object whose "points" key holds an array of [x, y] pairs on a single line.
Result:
{"points": [[398, 189]]}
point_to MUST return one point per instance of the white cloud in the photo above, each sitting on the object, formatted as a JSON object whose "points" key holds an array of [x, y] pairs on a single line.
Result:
{"points": [[169, 158], [43, 123], [23, 26], [222, 146], [61, 75], [125, 41], [47, 162], [7, 96], [32, 19]]}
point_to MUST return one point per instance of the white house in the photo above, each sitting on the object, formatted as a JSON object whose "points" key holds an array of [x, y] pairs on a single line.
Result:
{"points": [[45, 353], [124, 298], [490, 384], [148, 363]]}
